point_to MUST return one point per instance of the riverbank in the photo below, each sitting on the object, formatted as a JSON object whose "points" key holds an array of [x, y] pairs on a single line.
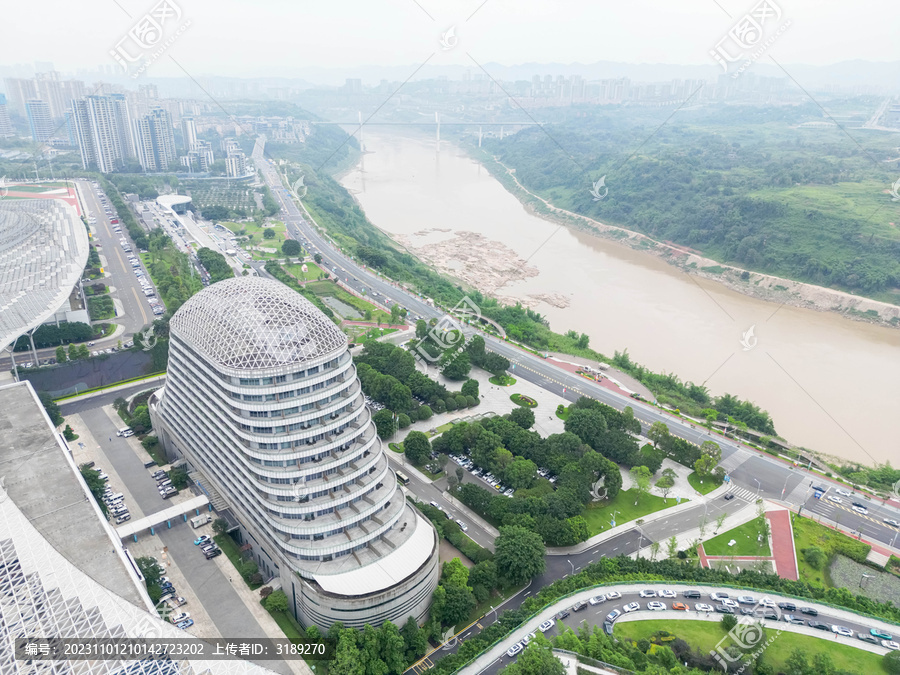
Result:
{"points": [[754, 284]]}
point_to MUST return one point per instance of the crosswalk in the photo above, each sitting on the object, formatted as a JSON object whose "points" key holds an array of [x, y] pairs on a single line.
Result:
{"points": [[734, 460], [743, 493]]}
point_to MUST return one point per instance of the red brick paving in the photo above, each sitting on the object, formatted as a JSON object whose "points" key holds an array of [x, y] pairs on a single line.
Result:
{"points": [[783, 544]]}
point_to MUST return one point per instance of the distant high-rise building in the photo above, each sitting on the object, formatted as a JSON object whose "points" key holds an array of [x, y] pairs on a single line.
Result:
{"points": [[149, 90], [236, 164], [39, 120], [154, 140], [188, 132], [353, 85], [103, 132], [6, 129], [19, 91], [57, 93]]}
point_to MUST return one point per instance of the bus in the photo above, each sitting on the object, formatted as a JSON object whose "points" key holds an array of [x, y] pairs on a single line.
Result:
{"points": [[403, 478]]}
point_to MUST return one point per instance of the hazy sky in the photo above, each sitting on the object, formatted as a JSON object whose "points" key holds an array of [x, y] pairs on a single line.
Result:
{"points": [[281, 37]]}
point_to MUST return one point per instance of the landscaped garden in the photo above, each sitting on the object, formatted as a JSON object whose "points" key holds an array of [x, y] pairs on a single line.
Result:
{"points": [[816, 547], [312, 273], [751, 538], [524, 401], [705, 635], [622, 506], [502, 380], [704, 484]]}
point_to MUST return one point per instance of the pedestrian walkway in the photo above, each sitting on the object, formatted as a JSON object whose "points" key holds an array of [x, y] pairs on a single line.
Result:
{"points": [[782, 541], [743, 493]]}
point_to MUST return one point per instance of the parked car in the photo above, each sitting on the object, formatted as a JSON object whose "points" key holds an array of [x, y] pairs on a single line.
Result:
{"points": [[562, 614], [724, 609], [865, 637], [631, 607], [648, 593], [842, 630], [202, 539], [597, 599], [890, 644], [787, 606], [691, 594], [515, 649], [818, 625], [717, 597], [613, 615], [578, 606], [656, 606], [667, 593], [881, 634], [703, 607], [809, 611], [796, 620], [547, 625], [613, 595], [186, 624], [679, 606], [746, 600]]}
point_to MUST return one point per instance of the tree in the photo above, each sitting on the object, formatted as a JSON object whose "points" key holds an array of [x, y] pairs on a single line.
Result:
{"points": [[73, 352], [484, 574], [416, 447], [519, 554], [421, 329], [392, 648], [814, 556], [452, 604], [220, 526], [672, 547], [370, 652], [268, 233], [711, 455], [728, 622], [523, 417], [666, 481], [470, 388], [61, 354], [704, 466], [277, 602], [395, 313], [891, 662], [654, 550], [347, 658], [658, 434], [641, 477], [588, 424], [384, 423], [415, 644], [458, 367], [83, 352], [537, 659], [454, 573], [318, 258], [52, 409], [150, 570], [291, 247], [720, 520], [520, 473]]}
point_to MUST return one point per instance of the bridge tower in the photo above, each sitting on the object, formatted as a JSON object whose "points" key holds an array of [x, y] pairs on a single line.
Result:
{"points": [[479, 137], [362, 146]]}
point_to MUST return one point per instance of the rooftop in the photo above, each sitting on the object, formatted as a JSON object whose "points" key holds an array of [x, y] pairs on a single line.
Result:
{"points": [[43, 251], [38, 476], [250, 323]]}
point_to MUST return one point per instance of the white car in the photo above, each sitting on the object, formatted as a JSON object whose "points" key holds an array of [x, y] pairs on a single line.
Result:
{"points": [[631, 607], [703, 607], [842, 630], [613, 595], [890, 644], [183, 616], [718, 597], [528, 638], [860, 509], [648, 593], [462, 526], [515, 649], [728, 602], [547, 625], [746, 600], [613, 615], [656, 606], [436, 505], [834, 498], [891, 521], [597, 599], [667, 593], [843, 492]]}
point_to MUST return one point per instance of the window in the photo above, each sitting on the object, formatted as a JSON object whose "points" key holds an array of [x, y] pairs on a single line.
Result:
{"points": [[267, 380], [280, 379], [313, 370], [259, 413], [249, 381]]}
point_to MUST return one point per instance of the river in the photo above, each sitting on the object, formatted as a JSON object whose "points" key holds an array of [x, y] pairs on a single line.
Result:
{"points": [[828, 382]]}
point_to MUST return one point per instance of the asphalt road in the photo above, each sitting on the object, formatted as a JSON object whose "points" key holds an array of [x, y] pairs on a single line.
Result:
{"points": [[597, 614]]}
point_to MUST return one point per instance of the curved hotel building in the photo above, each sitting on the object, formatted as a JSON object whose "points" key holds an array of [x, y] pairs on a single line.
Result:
{"points": [[263, 402]]}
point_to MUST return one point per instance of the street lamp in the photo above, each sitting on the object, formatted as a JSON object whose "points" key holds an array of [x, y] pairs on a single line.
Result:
{"points": [[787, 478], [864, 576], [758, 486]]}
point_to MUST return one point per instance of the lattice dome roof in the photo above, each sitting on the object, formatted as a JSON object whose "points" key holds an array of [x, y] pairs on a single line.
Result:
{"points": [[250, 323]]}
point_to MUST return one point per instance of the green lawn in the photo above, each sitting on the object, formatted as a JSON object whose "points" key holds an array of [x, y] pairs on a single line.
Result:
{"points": [[230, 548], [312, 271], [746, 537], [322, 288], [702, 485], [598, 516], [705, 635], [444, 427], [502, 380], [396, 447], [250, 228], [808, 533]]}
